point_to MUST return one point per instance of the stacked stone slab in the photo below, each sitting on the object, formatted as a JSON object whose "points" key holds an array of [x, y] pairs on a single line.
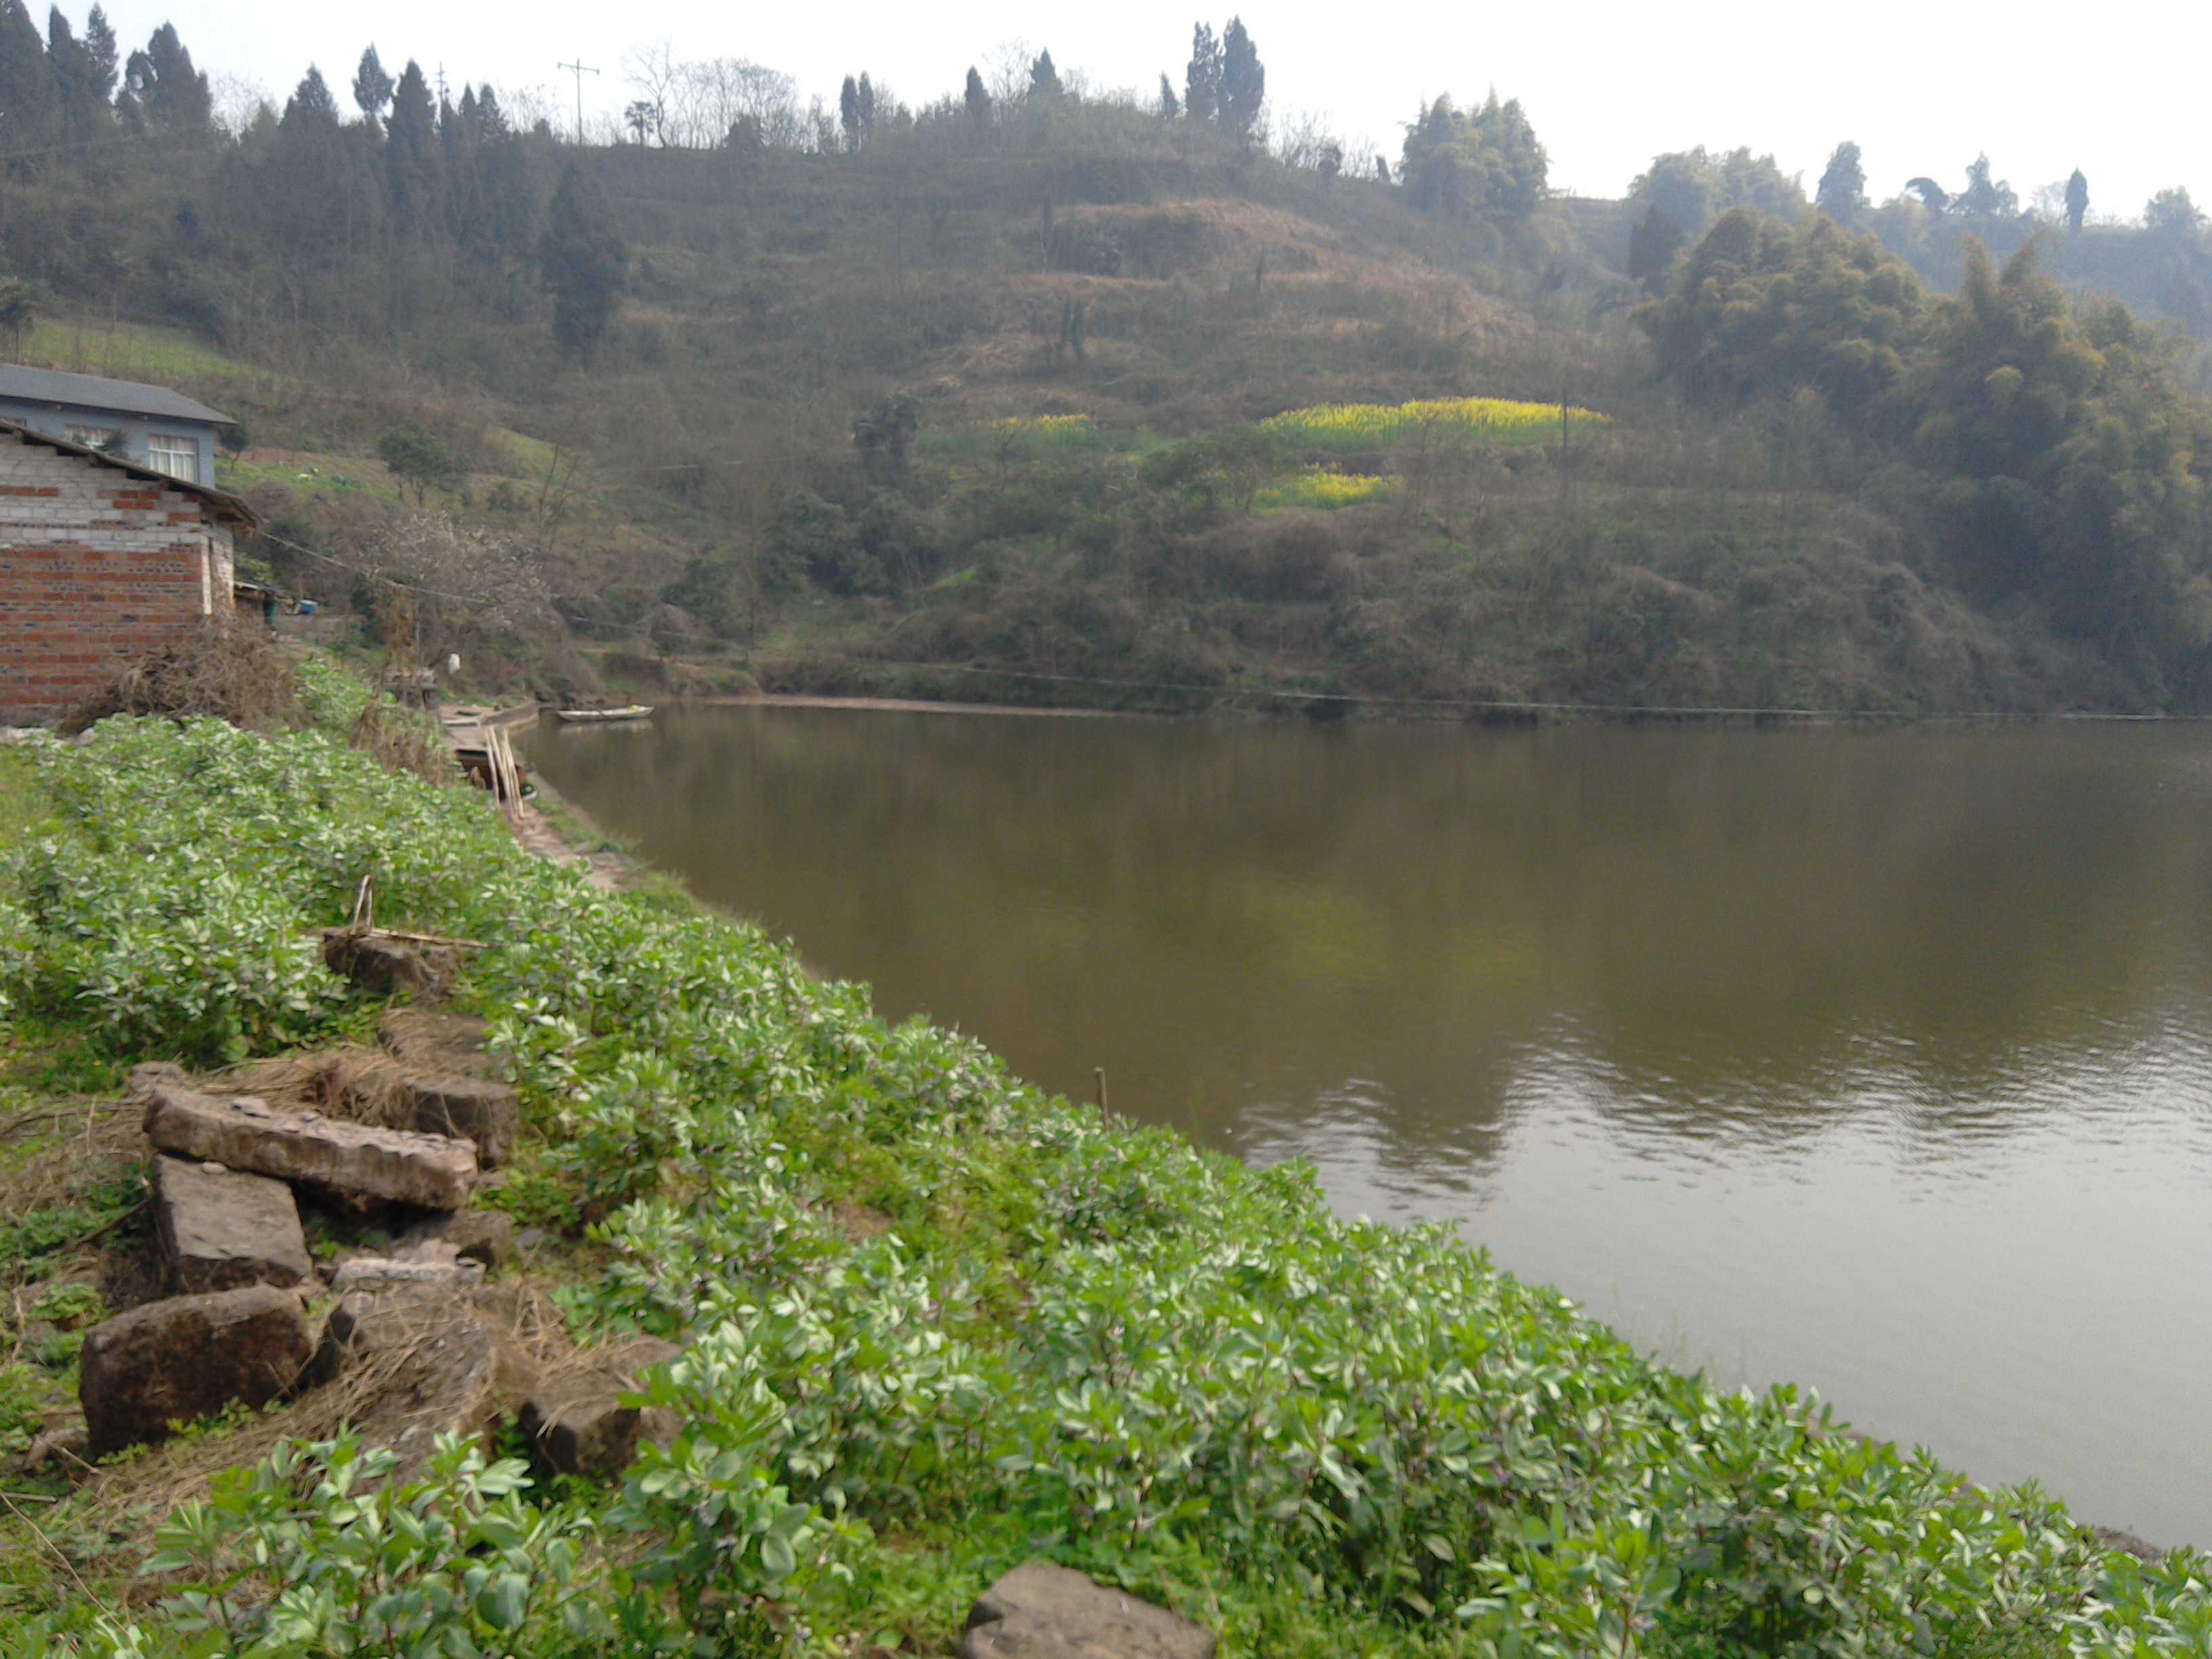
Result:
{"points": [[482, 1236], [223, 1228], [397, 1166], [454, 1092], [442, 1367], [422, 1339], [145, 1372], [227, 1223], [385, 967]]}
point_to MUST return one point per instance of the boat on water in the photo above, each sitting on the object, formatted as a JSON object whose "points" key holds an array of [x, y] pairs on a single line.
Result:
{"points": [[636, 711]]}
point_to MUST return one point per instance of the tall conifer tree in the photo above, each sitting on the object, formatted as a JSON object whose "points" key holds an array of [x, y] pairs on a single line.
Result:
{"points": [[372, 87], [30, 109], [585, 264], [411, 155], [1201, 83], [1842, 191], [2077, 200], [1243, 80]]}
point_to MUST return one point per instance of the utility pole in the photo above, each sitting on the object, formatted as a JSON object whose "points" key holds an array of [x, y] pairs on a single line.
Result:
{"points": [[580, 71]]}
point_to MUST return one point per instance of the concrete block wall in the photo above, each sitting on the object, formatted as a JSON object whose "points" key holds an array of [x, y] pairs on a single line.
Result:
{"points": [[96, 568]]}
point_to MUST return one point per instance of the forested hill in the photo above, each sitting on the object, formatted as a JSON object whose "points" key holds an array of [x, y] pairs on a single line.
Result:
{"points": [[1039, 393]]}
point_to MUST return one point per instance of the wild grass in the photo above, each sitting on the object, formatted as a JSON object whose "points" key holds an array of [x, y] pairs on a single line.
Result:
{"points": [[226, 666], [308, 475], [1032, 437], [133, 351]]}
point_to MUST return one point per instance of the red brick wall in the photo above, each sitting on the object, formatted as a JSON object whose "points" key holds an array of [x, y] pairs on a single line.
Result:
{"points": [[96, 568]]}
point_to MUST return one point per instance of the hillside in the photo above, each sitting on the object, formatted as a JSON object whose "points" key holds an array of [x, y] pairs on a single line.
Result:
{"points": [[978, 407]]}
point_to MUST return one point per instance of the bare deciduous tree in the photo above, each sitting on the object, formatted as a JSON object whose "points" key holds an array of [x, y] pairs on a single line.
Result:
{"points": [[699, 103], [463, 580]]}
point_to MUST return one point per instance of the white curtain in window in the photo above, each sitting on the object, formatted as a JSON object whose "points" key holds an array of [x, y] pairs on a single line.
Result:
{"points": [[178, 457]]}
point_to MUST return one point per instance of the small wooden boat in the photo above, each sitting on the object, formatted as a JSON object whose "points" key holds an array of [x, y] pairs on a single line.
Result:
{"points": [[636, 711]]}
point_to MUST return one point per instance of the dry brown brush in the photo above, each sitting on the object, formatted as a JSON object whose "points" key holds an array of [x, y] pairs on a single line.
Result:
{"points": [[226, 666]]}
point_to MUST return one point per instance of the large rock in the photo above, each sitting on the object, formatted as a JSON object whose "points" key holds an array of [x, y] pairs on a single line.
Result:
{"points": [[220, 1228], [187, 1358], [1041, 1611], [577, 1423], [471, 1108], [428, 1364], [429, 1172]]}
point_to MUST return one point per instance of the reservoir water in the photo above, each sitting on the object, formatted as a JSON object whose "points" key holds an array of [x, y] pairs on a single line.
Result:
{"points": [[1880, 1063]]}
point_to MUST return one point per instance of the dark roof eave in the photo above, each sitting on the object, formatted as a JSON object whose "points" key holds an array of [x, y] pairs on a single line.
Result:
{"points": [[205, 417], [229, 508], [102, 394]]}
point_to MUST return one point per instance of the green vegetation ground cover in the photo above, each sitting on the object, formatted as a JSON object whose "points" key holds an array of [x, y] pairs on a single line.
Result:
{"points": [[135, 351], [937, 1322]]}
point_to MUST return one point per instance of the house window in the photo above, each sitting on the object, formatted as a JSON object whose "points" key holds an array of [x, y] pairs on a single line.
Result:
{"points": [[106, 439], [178, 457]]}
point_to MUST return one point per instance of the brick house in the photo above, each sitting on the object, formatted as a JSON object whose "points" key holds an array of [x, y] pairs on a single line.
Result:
{"points": [[101, 560]]}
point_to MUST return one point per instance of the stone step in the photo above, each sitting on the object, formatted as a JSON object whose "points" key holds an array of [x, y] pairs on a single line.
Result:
{"points": [[577, 1423], [484, 1235], [220, 1229], [436, 1265], [188, 1358], [398, 1166], [384, 967], [471, 1108], [432, 1040], [1042, 1611], [441, 1368]]}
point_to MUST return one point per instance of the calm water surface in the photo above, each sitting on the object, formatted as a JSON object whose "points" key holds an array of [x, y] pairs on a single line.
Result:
{"points": [[1878, 1062]]}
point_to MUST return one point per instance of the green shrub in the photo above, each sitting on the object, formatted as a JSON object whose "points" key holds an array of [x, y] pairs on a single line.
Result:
{"points": [[1053, 1332], [304, 1554]]}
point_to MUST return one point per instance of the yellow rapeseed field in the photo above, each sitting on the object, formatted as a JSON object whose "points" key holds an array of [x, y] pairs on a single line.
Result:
{"points": [[1358, 427], [1318, 487], [1060, 429]]}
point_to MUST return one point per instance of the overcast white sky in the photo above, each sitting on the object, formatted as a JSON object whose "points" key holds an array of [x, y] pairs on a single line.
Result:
{"points": [[2117, 90]]}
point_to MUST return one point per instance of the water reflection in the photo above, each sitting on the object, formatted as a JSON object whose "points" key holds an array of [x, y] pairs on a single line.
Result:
{"points": [[1878, 1061]]}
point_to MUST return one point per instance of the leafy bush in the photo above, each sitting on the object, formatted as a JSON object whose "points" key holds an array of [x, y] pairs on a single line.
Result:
{"points": [[180, 918], [303, 1554], [922, 1297]]}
